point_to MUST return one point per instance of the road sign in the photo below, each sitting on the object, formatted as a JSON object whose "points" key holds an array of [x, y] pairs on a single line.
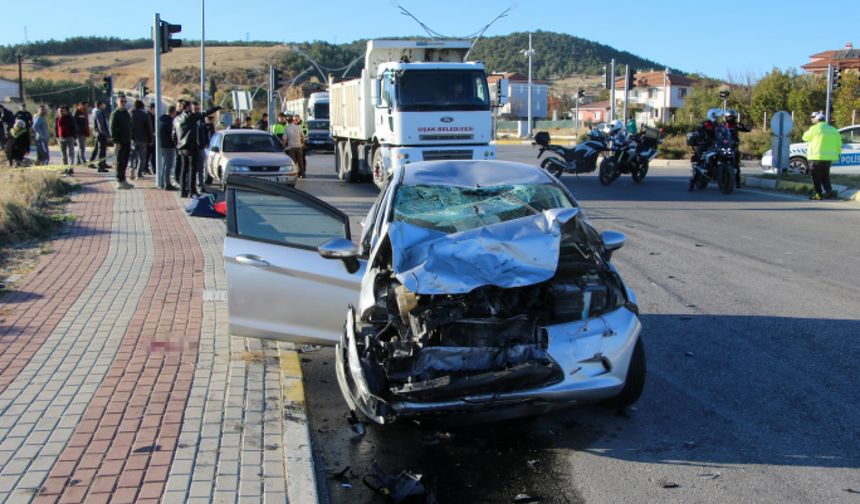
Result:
{"points": [[242, 100], [780, 127]]}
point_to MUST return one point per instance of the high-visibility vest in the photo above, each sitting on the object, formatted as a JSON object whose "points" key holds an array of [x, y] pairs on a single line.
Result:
{"points": [[825, 143], [278, 130]]}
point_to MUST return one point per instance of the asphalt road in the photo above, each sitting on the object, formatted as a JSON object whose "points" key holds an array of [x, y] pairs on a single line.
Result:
{"points": [[751, 312]]}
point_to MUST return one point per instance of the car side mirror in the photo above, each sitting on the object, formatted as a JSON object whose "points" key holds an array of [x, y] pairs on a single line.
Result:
{"points": [[215, 149], [343, 249], [612, 241]]}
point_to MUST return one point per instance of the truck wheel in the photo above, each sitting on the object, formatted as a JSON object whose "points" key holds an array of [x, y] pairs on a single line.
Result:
{"points": [[340, 160], [349, 164], [338, 155], [377, 168]]}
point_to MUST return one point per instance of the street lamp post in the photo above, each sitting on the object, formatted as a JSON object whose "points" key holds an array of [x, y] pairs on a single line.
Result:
{"points": [[529, 53], [203, 55]]}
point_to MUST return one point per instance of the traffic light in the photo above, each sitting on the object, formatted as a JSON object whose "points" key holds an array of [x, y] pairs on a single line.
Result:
{"points": [[607, 78], [629, 78], [580, 94], [142, 89], [166, 31], [837, 75], [277, 78]]}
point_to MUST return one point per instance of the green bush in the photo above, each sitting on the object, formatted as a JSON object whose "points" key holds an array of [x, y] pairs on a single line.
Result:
{"points": [[754, 144], [673, 147]]}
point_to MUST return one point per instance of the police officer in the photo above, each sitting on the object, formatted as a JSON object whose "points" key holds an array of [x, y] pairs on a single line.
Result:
{"points": [[735, 129], [705, 134], [825, 146]]}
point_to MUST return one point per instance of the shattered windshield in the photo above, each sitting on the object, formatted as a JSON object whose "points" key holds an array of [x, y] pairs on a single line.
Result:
{"points": [[452, 209]]}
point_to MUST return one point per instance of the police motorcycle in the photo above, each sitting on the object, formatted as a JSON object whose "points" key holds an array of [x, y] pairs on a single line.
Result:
{"points": [[629, 154], [717, 160], [580, 159]]}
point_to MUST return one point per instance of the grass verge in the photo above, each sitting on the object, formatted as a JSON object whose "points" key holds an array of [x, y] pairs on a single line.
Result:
{"points": [[841, 179], [31, 204]]}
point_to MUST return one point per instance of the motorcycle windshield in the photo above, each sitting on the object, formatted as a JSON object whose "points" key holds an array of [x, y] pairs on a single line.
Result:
{"points": [[723, 137]]}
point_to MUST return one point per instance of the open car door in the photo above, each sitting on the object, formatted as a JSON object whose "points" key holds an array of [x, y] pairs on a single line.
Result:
{"points": [[278, 284]]}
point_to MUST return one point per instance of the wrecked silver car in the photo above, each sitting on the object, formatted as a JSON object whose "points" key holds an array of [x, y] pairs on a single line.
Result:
{"points": [[477, 288]]}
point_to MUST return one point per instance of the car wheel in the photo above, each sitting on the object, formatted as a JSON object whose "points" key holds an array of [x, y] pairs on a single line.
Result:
{"points": [[208, 179], [798, 166], [377, 168], [635, 382]]}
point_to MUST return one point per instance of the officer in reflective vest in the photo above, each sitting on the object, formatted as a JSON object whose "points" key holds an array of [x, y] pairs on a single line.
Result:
{"points": [[825, 146], [278, 127]]}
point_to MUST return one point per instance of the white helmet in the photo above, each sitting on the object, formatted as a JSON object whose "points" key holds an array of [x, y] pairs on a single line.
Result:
{"points": [[615, 126], [817, 117]]}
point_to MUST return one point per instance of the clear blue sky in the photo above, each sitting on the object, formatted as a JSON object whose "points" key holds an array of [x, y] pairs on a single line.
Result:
{"points": [[714, 37]]}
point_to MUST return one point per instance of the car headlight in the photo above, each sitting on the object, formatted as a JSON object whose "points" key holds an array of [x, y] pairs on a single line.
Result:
{"points": [[286, 168], [238, 169]]}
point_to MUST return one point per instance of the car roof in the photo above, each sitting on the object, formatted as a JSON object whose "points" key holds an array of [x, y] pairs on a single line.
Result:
{"points": [[244, 132], [472, 173]]}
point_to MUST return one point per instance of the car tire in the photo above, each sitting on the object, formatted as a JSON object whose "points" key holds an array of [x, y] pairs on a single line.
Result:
{"points": [[635, 381], [208, 179], [798, 166], [377, 168]]}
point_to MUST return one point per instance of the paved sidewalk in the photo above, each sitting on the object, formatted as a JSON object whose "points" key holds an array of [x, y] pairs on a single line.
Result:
{"points": [[118, 379]]}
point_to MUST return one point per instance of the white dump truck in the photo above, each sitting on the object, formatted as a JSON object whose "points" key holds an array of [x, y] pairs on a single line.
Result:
{"points": [[416, 100], [315, 106]]}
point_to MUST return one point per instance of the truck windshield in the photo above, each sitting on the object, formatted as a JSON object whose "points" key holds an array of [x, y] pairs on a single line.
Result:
{"points": [[320, 110], [317, 125], [443, 90]]}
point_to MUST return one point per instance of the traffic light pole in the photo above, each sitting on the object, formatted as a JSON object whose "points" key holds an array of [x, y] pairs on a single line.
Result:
{"points": [[156, 46], [626, 89], [271, 97], [612, 90]]}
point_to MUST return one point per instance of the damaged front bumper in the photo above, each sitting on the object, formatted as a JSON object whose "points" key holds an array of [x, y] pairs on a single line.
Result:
{"points": [[594, 355]]}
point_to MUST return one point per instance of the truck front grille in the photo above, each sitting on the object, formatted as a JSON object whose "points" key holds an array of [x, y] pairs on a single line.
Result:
{"points": [[438, 155]]}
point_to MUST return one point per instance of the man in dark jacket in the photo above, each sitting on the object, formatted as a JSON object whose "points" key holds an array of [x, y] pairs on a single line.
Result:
{"points": [[141, 136], [188, 139], [7, 121], [150, 149], [120, 132], [168, 149], [25, 116], [100, 135]]}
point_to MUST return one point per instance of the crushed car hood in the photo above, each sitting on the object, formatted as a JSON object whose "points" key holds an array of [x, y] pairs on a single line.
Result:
{"points": [[509, 254]]}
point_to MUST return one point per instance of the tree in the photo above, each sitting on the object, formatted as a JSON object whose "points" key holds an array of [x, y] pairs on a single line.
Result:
{"points": [[847, 98], [770, 95], [698, 101], [808, 94]]}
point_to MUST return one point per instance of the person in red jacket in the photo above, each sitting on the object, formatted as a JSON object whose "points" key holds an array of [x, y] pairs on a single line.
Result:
{"points": [[66, 133]]}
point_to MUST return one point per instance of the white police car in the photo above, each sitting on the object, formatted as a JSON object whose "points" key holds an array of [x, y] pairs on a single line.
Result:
{"points": [[849, 161]]}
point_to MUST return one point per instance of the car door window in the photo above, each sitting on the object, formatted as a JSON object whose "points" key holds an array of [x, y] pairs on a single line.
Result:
{"points": [[284, 219]]}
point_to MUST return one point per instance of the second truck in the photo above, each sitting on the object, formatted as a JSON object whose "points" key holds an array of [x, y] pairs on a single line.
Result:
{"points": [[416, 100]]}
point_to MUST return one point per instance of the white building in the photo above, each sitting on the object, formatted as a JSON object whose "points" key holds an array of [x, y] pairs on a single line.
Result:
{"points": [[659, 94], [8, 90], [518, 89]]}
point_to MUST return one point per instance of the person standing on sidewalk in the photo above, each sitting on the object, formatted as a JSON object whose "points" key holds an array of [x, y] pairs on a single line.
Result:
{"points": [[25, 116], [141, 135], [205, 130], [168, 149], [278, 127], [100, 136], [150, 148], [263, 123], [64, 130], [120, 132], [42, 135], [825, 146], [293, 140], [82, 132], [188, 136]]}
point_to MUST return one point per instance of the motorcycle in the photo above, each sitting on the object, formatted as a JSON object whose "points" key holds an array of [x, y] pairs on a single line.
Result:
{"points": [[580, 159], [717, 163], [631, 155]]}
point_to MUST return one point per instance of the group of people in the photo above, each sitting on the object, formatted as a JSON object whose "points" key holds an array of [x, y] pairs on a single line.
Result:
{"points": [[707, 134], [290, 130], [184, 131]]}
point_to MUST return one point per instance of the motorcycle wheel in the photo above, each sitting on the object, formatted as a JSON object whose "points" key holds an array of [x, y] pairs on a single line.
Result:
{"points": [[701, 183], [550, 164], [726, 180], [608, 172], [639, 174]]}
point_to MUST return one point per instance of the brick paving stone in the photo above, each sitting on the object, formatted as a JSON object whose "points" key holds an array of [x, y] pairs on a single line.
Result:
{"points": [[160, 344], [80, 334], [49, 288]]}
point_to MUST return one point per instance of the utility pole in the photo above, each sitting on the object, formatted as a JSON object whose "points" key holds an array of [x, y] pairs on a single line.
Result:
{"points": [[612, 90], [156, 47], [271, 102], [203, 55], [530, 53], [20, 78], [829, 92], [626, 89]]}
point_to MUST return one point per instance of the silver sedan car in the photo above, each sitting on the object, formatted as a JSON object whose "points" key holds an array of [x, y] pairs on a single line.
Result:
{"points": [[478, 289], [252, 153]]}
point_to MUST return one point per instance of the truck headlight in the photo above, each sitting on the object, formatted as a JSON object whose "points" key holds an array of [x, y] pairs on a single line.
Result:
{"points": [[402, 155]]}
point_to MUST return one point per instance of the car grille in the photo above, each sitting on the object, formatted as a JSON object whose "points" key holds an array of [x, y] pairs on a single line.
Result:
{"points": [[264, 169], [445, 137], [437, 155]]}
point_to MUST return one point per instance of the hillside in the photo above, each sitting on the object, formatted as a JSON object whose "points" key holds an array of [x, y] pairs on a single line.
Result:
{"points": [[558, 57]]}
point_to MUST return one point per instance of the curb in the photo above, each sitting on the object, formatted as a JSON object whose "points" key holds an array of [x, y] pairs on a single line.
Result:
{"points": [[298, 456], [845, 193]]}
